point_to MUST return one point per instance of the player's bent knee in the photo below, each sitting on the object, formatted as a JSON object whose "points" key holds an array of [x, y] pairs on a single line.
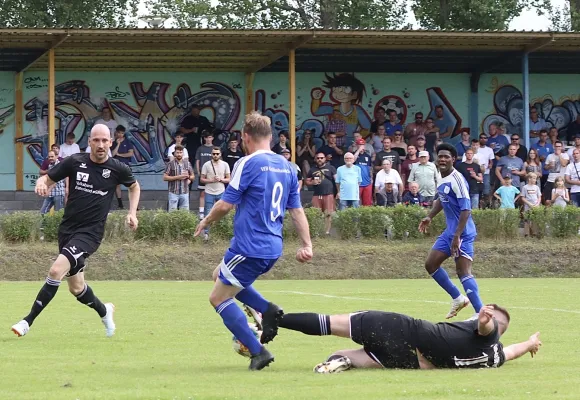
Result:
{"points": [[59, 268]]}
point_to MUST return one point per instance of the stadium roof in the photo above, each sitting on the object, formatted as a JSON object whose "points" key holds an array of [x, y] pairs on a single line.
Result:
{"points": [[267, 50]]}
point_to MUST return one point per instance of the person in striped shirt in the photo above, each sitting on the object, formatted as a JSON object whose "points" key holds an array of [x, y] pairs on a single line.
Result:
{"points": [[178, 175]]}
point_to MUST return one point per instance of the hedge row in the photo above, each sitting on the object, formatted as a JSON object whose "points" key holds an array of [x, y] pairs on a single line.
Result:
{"points": [[369, 222]]}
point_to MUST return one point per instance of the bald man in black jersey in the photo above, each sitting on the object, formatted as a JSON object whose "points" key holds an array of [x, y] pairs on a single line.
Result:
{"points": [[392, 340]]}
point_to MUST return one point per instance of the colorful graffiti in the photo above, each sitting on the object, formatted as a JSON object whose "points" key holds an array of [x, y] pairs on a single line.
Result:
{"points": [[508, 110], [5, 117], [150, 124]]}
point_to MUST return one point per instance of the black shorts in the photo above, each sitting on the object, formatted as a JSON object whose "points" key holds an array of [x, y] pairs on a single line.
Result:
{"points": [[200, 186], [547, 190], [77, 248], [386, 337]]}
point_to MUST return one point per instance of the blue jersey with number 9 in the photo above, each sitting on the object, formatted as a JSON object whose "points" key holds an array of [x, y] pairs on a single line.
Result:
{"points": [[263, 185]]}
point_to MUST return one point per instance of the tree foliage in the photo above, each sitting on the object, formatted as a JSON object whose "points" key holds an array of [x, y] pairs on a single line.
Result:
{"points": [[68, 13], [284, 14]]}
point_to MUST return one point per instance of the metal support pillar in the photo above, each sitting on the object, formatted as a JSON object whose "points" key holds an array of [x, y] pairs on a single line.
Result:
{"points": [[526, 98], [292, 99]]}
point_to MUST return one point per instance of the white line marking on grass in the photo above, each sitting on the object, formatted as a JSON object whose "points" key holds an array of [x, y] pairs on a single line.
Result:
{"points": [[331, 296]]}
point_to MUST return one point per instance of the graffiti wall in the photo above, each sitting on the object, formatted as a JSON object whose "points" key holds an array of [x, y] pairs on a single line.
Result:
{"points": [[7, 161], [152, 105], [556, 97]]}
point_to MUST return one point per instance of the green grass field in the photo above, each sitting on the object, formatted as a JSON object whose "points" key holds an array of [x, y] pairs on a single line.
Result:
{"points": [[170, 344]]}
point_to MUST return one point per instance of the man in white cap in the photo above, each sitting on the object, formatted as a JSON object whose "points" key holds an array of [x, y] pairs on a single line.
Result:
{"points": [[425, 174]]}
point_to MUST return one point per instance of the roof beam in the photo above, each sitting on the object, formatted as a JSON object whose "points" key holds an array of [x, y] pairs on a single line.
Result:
{"points": [[57, 42], [538, 44], [279, 54]]}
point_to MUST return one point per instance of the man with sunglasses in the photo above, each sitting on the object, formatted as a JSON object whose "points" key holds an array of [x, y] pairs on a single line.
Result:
{"points": [[415, 129], [522, 151], [215, 173], [322, 177]]}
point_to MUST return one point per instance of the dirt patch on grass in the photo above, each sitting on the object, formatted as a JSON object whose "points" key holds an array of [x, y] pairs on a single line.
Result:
{"points": [[334, 259]]}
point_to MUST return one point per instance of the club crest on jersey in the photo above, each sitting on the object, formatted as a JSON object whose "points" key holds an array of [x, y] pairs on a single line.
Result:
{"points": [[106, 173]]}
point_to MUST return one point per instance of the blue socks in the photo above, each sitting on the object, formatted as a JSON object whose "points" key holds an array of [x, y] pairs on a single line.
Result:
{"points": [[472, 291], [251, 297], [442, 278], [236, 322]]}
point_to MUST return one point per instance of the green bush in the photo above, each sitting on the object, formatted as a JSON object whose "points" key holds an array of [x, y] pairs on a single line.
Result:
{"points": [[374, 222], [50, 225], [346, 222], [539, 216], [223, 229], [315, 218], [564, 222], [21, 226], [497, 224], [182, 224], [152, 225]]}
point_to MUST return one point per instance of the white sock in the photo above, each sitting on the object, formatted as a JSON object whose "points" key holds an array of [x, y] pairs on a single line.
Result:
{"points": [[201, 210]]}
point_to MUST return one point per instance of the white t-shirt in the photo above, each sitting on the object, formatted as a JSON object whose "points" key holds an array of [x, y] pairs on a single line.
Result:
{"points": [[68, 150], [171, 149], [88, 150], [210, 171], [382, 177], [557, 170], [484, 155], [573, 171], [111, 124]]}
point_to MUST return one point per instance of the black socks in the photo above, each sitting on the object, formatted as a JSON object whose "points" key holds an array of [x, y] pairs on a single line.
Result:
{"points": [[44, 297], [308, 323], [88, 298]]}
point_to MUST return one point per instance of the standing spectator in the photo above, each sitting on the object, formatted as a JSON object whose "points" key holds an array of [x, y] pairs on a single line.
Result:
{"points": [[297, 171], [348, 180], [556, 165], [475, 147], [471, 171], [388, 174], [305, 151], [215, 174], [431, 135], [178, 174], [233, 152], [369, 149], [58, 193], [338, 125], [107, 120], [331, 150], [425, 174], [464, 144], [531, 197], [122, 149], [533, 164], [560, 196], [420, 145], [192, 127], [202, 156], [576, 146], [380, 120], [398, 144], [377, 139], [537, 125], [521, 150], [486, 159], [69, 147], [510, 165], [282, 143], [544, 149], [393, 125], [178, 142], [497, 143], [553, 135], [408, 164], [445, 128], [573, 130], [415, 129], [572, 177], [507, 194], [413, 197], [44, 167], [388, 197], [365, 163], [387, 154], [322, 177]]}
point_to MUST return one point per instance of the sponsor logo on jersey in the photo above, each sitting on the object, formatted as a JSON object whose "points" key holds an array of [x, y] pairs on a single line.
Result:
{"points": [[106, 173], [82, 177]]}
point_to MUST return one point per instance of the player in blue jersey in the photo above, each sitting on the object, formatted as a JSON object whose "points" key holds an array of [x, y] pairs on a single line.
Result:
{"points": [[262, 187], [458, 237]]}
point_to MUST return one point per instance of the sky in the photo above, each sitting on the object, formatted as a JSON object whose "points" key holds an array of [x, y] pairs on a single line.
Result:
{"points": [[527, 21]]}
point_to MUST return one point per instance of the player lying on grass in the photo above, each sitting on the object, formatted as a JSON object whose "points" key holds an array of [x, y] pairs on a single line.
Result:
{"points": [[392, 340]]}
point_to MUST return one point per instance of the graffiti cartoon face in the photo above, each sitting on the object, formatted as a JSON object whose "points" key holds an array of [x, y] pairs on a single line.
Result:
{"points": [[344, 94]]}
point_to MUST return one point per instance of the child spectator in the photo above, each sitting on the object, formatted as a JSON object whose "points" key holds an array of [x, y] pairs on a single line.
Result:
{"points": [[507, 194], [531, 197], [413, 197], [560, 195]]}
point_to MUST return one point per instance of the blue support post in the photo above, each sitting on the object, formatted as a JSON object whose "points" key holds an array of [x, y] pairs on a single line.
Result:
{"points": [[526, 95]]}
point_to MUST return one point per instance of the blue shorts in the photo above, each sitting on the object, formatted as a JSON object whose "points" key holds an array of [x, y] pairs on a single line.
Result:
{"points": [[443, 244], [237, 270]]}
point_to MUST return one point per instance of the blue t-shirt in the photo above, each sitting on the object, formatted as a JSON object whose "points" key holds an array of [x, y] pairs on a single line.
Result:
{"points": [[453, 193], [263, 185], [391, 129], [543, 151], [364, 161], [508, 165], [498, 144], [508, 195], [349, 180]]}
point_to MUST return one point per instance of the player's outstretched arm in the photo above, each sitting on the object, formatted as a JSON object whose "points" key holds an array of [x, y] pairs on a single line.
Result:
{"points": [[532, 345], [485, 324], [436, 209], [134, 195], [43, 185], [218, 211], [301, 224]]}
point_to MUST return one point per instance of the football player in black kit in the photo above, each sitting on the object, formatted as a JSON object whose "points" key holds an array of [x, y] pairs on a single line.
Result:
{"points": [[392, 340], [93, 178]]}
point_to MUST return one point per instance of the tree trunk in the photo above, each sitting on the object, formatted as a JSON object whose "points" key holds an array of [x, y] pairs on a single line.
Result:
{"points": [[444, 13], [575, 14], [328, 18]]}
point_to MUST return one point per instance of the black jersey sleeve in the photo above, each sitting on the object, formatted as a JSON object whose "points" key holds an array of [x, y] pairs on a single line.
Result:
{"points": [[62, 170], [126, 176]]}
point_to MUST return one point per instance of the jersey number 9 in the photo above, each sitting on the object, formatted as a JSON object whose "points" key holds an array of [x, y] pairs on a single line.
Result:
{"points": [[277, 192]]}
